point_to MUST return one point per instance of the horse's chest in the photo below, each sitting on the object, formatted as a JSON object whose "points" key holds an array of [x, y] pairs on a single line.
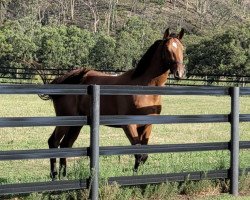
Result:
{"points": [[147, 104], [142, 100]]}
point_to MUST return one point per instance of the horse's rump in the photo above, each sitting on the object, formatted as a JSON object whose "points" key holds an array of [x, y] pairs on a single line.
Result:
{"points": [[72, 77]]}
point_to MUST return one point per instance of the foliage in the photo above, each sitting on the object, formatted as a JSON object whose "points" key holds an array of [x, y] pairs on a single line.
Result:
{"points": [[64, 47], [132, 41], [26, 41], [52, 49], [79, 43], [102, 54], [225, 53], [127, 51], [17, 40]]}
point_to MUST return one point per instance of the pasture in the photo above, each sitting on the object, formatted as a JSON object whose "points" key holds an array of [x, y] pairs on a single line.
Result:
{"points": [[36, 138]]}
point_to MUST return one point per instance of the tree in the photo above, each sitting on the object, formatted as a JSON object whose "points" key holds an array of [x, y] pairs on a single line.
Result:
{"points": [[5, 50], [52, 51], [102, 54], [18, 41], [225, 53], [110, 15], [92, 5], [127, 52], [3, 10], [132, 41], [78, 45]]}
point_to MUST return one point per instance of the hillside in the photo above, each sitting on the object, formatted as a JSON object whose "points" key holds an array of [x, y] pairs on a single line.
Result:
{"points": [[114, 34], [110, 15]]}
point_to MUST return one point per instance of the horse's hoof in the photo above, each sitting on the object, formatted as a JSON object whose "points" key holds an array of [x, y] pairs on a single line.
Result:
{"points": [[143, 158], [62, 176], [135, 172], [53, 176], [62, 173]]}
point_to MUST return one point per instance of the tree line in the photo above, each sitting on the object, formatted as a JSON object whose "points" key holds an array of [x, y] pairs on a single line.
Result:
{"points": [[45, 35], [111, 15]]}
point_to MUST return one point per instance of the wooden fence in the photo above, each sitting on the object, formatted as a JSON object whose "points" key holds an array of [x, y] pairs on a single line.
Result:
{"points": [[94, 151]]}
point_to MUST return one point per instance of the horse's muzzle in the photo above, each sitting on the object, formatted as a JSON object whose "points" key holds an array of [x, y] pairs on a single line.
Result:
{"points": [[179, 71], [179, 74]]}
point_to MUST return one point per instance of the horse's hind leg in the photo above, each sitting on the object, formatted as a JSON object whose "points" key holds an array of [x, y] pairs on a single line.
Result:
{"points": [[68, 142], [54, 142]]}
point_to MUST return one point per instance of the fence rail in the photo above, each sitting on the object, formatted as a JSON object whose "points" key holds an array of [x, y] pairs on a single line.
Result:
{"points": [[30, 75], [94, 120]]}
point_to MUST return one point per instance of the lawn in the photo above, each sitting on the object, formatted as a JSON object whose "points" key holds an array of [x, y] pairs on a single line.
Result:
{"points": [[36, 138]]}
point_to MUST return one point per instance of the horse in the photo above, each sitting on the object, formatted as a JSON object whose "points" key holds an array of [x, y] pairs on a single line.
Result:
{"points": [[162, 58]]}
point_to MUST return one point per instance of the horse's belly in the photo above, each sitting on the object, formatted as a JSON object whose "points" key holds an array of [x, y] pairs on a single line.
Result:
{"points": [[108, 105], [147, 104]]}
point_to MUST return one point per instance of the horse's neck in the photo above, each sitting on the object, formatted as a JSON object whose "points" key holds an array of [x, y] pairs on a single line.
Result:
{"points": [[155, 75], [159, 80]]}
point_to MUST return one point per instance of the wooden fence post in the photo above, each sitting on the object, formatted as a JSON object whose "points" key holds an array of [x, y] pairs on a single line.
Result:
{"points": [[234, 144], [94, 91]]}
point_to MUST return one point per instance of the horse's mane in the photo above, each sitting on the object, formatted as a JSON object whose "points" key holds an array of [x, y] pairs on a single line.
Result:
{"points": [[145, 60], [72, 77]]}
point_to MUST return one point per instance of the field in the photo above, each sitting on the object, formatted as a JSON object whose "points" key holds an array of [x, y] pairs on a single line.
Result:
{"points": [[38, 170]]}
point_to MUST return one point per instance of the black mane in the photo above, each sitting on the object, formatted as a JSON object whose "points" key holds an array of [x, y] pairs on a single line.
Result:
{"points": [[145, 60]]}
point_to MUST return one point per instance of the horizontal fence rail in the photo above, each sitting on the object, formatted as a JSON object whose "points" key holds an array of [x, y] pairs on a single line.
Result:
{"points": [[117, 150], [43, 153], [123, 90], [161, 178], [28, 75], [55, 89], [21, 188], [115, 120], [118, 120], [43, 121], [174, 119], [180, 177], [52, 89]]}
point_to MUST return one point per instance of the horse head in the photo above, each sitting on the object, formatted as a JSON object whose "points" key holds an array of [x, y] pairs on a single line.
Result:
{"points": [[172, 53]]}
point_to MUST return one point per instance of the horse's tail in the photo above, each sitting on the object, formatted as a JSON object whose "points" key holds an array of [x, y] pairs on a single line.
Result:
{"points": [[45, 97], [72, 77]]}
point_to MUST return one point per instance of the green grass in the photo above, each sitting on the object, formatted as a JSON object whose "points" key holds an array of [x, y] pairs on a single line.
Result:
{"points": [[38, 170]]}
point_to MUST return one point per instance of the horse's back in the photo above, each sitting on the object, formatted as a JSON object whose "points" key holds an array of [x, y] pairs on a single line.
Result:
{"points": [[121, 104], [99, 78]]}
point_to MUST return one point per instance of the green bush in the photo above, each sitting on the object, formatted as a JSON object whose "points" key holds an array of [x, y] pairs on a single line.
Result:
{"points": [[224, 53]]}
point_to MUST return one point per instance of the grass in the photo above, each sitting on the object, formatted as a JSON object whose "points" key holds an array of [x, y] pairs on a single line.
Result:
{"points": [[38, 170]]}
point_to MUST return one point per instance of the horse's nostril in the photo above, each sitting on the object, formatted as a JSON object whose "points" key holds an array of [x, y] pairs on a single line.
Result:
{"points": [[177, 75]]}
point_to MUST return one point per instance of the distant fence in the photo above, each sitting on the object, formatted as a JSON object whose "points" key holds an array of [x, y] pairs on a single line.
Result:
{"points": [[94, 151], [30, 75]]}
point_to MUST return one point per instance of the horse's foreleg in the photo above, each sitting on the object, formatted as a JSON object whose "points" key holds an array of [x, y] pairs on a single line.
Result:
{"points": [[68, 142], [144, 134], [132, 134], [54, 142]]}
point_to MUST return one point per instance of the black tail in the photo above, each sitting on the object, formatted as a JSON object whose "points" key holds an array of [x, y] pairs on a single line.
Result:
{"points": [[44, 97]]}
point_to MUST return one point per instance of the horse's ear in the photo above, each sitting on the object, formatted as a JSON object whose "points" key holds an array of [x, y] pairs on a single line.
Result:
{"points": [[166, 34], [181, 34]]}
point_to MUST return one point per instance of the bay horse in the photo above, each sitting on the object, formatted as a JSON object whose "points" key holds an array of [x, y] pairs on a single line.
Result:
{"points": [[162, 58]]}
